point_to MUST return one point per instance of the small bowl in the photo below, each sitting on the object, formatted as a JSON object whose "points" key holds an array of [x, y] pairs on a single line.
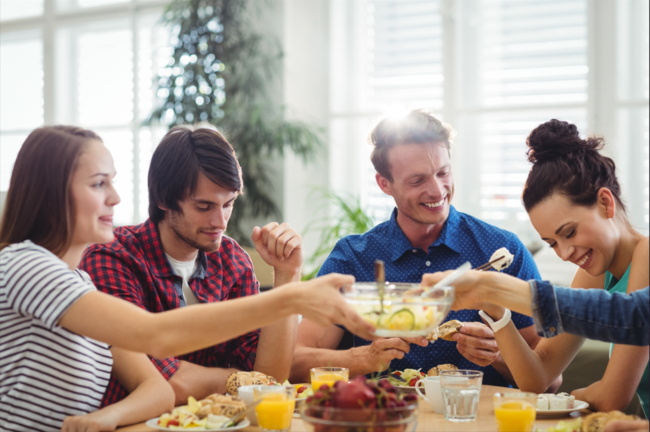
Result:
{"points": [[408, 309], [324, 419]]}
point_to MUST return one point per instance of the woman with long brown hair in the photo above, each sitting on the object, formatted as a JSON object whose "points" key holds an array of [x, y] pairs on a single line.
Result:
{"points": [[57, 328]]}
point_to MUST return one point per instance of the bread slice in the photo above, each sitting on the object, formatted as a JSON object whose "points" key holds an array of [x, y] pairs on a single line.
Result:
{"points": [[218, 404], [445, 331], [448, 329]]}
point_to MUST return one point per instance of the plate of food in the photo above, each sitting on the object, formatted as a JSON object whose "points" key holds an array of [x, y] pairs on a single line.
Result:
{"points": [[405, 380], [154, 423], [595, 422], [559, 405], [209, 414]]}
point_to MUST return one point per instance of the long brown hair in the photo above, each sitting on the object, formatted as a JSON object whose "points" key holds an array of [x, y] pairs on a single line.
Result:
{"points": [[39, 204]]}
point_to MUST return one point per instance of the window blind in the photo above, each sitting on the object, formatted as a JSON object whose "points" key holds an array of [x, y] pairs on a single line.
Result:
{"points": [[530, 54], [404, 71]]}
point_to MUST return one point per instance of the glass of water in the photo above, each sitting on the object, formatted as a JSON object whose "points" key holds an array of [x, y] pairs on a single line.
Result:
{"points": [[460, 392]]}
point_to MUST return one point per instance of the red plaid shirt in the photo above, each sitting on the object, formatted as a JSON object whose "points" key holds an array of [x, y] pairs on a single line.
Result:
{"points": [[134, 267]]}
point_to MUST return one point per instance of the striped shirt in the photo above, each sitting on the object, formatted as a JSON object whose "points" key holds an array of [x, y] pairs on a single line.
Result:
{"points": [[46, 372]]}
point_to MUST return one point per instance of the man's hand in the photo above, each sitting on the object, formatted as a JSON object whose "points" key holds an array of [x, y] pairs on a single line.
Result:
{"points": [[96, 421], [280, 247], [476, 343], [379, 354]]}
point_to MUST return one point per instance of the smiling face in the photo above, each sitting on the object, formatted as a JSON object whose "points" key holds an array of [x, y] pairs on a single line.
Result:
{"points": [[423, 184], [203, 219], [94, 195], [585, 236]]}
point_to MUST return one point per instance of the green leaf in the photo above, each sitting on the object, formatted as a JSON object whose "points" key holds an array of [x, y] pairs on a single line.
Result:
{"points": [[237, 65]]}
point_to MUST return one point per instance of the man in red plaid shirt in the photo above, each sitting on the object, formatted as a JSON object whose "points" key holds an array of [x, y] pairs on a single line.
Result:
{"points": [[180, 256]]}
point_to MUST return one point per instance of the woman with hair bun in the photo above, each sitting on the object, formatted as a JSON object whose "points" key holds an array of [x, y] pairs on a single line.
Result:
{"points": [[574, 202]]}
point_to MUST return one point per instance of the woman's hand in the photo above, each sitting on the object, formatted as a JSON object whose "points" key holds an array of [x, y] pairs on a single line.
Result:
{"points": [[97, 421], [467, 289], [320, 301]]}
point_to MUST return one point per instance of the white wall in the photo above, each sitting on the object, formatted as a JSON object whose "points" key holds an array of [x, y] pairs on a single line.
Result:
{"points": [[306, 95]]}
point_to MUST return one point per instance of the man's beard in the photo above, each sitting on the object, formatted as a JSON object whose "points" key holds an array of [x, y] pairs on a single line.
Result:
{"points": [[174, 224]]}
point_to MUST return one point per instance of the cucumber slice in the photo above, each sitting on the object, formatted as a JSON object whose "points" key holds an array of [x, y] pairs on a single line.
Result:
{"points": [[403, 319]]}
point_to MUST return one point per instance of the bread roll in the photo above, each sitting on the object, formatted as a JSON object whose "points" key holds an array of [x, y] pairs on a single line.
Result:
{"points": [[435, 371], [596, 422], [239, 379]]}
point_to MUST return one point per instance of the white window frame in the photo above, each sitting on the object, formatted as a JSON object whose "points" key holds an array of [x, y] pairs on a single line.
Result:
{"points": [[48, 23]]}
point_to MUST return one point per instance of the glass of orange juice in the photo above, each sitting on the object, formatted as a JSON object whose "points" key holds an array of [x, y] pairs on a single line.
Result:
{"points": [[275, 411], [328, 375], [515, 412]]}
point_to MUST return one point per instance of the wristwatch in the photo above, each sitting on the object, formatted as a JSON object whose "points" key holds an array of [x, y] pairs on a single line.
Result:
{"points": [[496, 326]]}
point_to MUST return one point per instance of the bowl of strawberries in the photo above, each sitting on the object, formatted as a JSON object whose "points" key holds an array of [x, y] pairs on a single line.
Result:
{"points": [[361, 405]]}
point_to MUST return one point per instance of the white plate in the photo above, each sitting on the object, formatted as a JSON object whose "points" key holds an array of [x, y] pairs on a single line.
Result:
{"points": [[577, 406], [153, 423]]}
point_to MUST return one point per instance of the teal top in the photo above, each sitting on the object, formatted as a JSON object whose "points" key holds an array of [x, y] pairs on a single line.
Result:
{"points": [[620, 286]]}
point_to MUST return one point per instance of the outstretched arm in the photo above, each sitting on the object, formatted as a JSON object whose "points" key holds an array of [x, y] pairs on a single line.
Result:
{"points": [[535, 369], [106, 318], [591, 313]]}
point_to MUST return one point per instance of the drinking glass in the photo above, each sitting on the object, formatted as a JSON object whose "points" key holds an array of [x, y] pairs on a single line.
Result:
{"points": [[515, 412], [460, 392], [275, 411], [328, 375]]}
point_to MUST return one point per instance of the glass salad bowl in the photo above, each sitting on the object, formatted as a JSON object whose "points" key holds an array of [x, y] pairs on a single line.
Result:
{"points": [[408, 309]]}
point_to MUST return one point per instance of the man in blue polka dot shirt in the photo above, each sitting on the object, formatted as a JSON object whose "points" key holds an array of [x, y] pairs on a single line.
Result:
{"points": [[425, 234]]}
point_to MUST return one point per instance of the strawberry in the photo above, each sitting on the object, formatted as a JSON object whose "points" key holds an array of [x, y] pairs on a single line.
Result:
{"points": [[301, 389], [398, 373], [413, 381], [173, 422]]}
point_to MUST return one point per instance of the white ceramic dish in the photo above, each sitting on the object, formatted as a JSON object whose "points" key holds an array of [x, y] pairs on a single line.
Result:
{"points": [[577, 406], [153, 423]]}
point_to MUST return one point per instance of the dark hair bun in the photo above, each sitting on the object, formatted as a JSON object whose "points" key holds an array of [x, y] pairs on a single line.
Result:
{"points": [[558, 139]]}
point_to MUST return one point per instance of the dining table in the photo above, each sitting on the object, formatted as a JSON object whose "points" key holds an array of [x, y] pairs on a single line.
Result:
{"points": [[428, 420]]}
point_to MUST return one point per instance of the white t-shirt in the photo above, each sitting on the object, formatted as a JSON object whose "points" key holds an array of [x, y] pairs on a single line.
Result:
{"points": [[185, 269], [46, 372]]}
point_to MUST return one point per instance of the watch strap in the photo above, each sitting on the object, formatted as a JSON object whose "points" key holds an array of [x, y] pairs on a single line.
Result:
{"points": [[496, 326]]}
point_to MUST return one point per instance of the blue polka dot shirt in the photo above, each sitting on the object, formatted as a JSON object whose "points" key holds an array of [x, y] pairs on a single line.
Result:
{"points": [[463, 238]]}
